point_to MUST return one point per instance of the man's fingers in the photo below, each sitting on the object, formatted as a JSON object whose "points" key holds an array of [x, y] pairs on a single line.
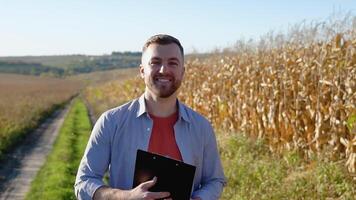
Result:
{"points": [[158, 195], [154, 195], [148, 184]]}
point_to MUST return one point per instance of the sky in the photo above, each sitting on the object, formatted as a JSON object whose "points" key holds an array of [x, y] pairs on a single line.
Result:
{"points": [[97, 27]]}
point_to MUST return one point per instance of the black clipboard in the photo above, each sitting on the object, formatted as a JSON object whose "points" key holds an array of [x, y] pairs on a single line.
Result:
{"points": [[173, 176]]}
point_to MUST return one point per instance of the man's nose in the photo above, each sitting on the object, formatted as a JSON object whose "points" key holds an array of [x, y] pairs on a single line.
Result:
{"points": [[163, 69]]}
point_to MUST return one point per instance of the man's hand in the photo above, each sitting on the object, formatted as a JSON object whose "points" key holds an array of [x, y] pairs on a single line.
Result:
{"points": [[139, 193]]}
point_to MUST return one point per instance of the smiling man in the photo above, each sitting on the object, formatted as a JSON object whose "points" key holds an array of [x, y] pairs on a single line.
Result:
{"points": [[157, 122]]}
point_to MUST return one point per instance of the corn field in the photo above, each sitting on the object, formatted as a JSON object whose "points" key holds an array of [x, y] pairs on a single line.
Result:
{"points": [[296, 96]]}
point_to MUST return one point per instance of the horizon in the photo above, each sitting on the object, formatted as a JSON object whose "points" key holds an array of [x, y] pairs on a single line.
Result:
{"points": [[42, 28]]}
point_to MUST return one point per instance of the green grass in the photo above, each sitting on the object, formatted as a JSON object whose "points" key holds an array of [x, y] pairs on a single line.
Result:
{"points": [[255, 173], [56, 178]]}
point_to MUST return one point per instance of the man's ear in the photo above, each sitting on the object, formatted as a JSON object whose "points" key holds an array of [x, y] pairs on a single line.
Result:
{"points": [[142, 71]]}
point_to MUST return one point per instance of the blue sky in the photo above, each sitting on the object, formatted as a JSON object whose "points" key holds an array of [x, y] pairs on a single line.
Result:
{"points": [[48, 27]]}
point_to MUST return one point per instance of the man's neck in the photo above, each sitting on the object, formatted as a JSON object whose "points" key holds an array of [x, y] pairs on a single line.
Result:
{"points": [[161, 107]]}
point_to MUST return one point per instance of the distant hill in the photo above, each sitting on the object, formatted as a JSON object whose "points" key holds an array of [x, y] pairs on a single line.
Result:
{"points": [[64, 65], [19, 67]]}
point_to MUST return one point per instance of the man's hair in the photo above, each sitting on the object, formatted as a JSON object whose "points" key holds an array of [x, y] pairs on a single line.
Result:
{"points": [[162, 39]]}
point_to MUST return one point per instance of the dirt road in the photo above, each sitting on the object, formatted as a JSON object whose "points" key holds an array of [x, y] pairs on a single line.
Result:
{"points": [[20, 167]]}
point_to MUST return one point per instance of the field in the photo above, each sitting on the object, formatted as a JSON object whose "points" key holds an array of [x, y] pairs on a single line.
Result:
{"points": [[284, 112], [253, 172], [100, 77], [294, 93], [297, 96], [26, 100]]}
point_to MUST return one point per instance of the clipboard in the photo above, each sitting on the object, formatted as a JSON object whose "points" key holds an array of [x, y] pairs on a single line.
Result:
{"points": [[173, 176]]}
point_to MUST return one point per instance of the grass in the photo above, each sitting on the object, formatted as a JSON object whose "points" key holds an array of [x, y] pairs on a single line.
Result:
{"points": [[255, 173], [56, 178]]}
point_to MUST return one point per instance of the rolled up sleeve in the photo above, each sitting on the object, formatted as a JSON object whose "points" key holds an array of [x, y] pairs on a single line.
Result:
{"points": [[95, 161]]}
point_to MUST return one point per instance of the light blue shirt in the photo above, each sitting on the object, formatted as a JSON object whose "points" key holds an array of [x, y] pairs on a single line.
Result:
{"points": [[118, 134]]}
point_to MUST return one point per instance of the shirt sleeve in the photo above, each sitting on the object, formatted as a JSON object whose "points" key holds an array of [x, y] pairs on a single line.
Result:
{"points": [[213, 178], [95, 161]]}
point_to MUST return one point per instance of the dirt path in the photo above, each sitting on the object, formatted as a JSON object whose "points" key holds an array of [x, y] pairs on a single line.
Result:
{"points": [[20, 167]]}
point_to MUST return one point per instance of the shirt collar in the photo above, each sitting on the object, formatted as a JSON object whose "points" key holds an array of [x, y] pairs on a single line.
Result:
{"points": [[141, 106], [142, 109]]}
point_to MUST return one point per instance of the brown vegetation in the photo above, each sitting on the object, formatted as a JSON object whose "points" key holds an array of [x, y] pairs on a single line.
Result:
{"points": [[25, 100], [295, 97], [298, 92]]}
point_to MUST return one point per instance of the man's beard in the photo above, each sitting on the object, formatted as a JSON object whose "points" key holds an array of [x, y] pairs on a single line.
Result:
{"points": [[163, 90]]}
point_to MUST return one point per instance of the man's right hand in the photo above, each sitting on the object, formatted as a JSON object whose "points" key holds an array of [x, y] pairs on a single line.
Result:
{"points": [[139, 193]]}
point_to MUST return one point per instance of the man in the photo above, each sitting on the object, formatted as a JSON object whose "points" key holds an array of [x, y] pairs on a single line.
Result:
{"points": [[156, 122]]}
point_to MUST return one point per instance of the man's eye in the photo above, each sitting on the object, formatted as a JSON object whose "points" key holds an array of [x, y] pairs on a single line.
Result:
{"points": [[173, 64], [155, 62]]}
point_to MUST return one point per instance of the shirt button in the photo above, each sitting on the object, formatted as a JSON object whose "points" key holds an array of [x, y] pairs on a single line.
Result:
{"points": [[148, 129]]}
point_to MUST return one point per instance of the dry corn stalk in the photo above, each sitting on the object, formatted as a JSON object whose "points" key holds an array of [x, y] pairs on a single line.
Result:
{"points": [[350, 146]]}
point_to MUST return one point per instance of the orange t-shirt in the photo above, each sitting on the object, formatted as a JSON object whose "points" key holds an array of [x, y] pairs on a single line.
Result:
{"points": [[162, 140]]}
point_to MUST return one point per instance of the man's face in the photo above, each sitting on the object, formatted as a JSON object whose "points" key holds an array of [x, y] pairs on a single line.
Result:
{"points": [[162, 69]]}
